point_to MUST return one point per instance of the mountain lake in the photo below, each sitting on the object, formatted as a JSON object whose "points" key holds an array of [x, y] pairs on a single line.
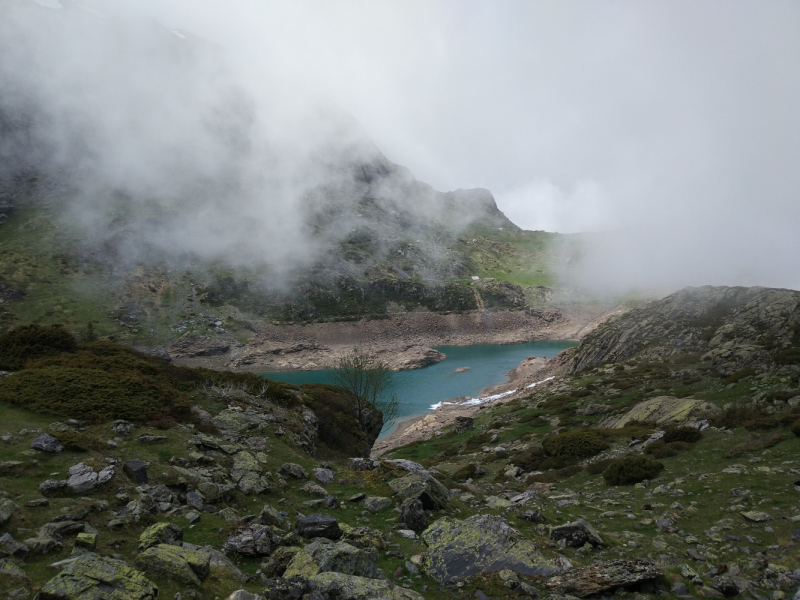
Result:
{"points": [[419, 390]]}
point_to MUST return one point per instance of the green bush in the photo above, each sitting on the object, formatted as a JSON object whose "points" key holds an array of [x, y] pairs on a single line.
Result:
{"points": [[598, 466], [661, 449], [631, 469], [681, 434], [476, 441], [80, 441], [579, 443], [30, 342]]}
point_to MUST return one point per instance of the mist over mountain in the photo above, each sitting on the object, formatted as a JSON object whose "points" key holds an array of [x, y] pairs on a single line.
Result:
{"points": [[163, 157]]}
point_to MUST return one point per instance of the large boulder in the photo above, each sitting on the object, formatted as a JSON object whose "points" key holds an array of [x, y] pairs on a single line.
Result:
{"points": [[288, 588], [279, 560], [422, 487], [663, 411], [321, 556], [175, 563], [83, 478], [317, 525], [251, 540], [603, 577], [479, 544], [576, 534], [353, 587], [88, 576], [160, 533], [47, 443], [270, 516]]}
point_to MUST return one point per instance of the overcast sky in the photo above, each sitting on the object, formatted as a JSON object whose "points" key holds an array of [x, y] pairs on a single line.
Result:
{"points": [[675, 122]]}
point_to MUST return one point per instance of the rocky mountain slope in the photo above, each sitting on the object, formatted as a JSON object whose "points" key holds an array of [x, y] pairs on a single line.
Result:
{"points": [[656, 474], [216, 215]]}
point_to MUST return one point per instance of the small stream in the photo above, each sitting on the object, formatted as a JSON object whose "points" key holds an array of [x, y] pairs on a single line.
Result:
{"points": [[418, 390]]}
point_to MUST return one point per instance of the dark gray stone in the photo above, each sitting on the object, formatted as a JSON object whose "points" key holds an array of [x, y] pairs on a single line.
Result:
{"points": [[576, 534], [463, 424], [47, 443], [413, 515], [136, 470], [725, 585], [318, 525], [532, 516], [251, 540]]}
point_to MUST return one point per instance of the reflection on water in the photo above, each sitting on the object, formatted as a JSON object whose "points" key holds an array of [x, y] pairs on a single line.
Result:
{"points": [[419, 389]]}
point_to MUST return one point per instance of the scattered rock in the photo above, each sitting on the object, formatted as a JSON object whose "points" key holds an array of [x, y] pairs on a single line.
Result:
{"points": [[576, 534], [362, 464], [376, 503], [353, 587], [86, 541], [603, 577], [289, 588], [136, 470], [47, 443], [91, 576], [151, 439], [363, 537], [11, 547], [279, 560], [7, 508], [270, 516], [12, 574], [84, 478], [121, 427], [725, 585], [251, 540], [160, 533], [293, 470], [756, 516], [462, 424], [318, 525], [423, 487], [321, 556], [324, 476], [413, 515], [314, 489], [243, 595], [175, 563], [532, 516], [479, 544]]}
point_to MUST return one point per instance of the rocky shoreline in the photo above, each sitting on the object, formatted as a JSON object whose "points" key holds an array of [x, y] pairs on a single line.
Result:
{"points": [[402, 341]]}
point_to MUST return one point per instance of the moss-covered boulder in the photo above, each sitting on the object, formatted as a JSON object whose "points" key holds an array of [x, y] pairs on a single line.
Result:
{"points": [[175, 563], [663, 411], [160, 533], [11, 575], [363, 537], [603, 577], [479, 544], [89, 576], [422, 487], [352, 587], [322, 556]]}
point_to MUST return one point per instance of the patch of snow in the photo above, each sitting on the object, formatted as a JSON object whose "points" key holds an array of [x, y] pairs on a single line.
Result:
{"points": [[179, 34]]}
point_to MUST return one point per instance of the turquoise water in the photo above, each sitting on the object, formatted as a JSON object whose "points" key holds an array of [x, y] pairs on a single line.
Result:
{"points": [[419, 389]]}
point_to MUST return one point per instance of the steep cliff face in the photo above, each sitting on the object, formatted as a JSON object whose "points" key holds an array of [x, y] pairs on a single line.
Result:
{"points": [[732, 327]]}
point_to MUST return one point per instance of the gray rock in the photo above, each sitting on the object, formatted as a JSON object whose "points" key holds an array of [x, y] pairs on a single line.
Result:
{"points": [[160, 533], [462, 424], [136, 470], [250, 540], [121, 427], [293, 470], [270, 516], [532, 516], [404, 465], [91, 576], [47, 443], [725, 585], [324, 476], [195, 500], [12, 574], [221, 567], [7, 508], [179, 564], [576, 534], [11, 547], [51, 485], [321, 556], [290, 588], [413, 515], [243, 595], [479, 544], [279, 560], [603, 577], [353, 587], [314, 489], [330, 501], [364, 537], [361, 464], [423, 487], [376, 503], [318, 525]]}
